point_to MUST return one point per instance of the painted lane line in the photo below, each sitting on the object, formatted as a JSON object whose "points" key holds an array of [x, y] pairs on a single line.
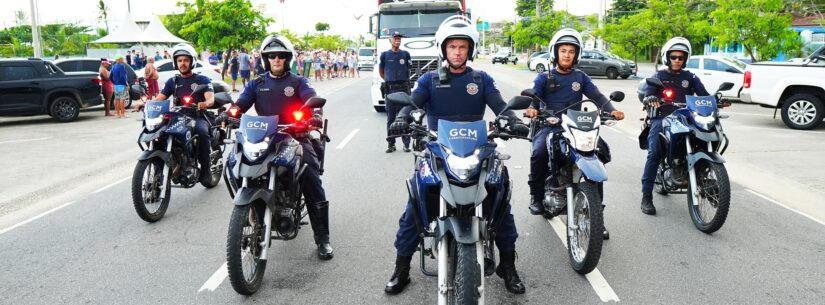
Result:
{"points": [[24, 140], [347, 139], [111, 185], [597, 281], [786, 207], [36, 217], [216, 279]]}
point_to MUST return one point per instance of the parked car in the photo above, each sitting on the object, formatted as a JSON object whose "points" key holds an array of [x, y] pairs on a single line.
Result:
{"points": [[540, 63], [366, 58], [798, 89], [715, 70], [503, 56], [598, 63], [92, 65], [166, 71], [34, 86], [533, 57]]}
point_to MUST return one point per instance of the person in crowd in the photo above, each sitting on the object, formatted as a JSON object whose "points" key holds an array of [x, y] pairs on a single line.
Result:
{"points": [[121, 85], [150, 74], [106, 84]]}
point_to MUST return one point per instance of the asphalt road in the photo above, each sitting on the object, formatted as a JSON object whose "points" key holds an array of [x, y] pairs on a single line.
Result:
{"points": [[69, 233]]}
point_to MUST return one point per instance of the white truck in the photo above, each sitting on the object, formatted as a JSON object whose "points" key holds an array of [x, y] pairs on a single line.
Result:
{"points": [[797, 89], [417, 21]]}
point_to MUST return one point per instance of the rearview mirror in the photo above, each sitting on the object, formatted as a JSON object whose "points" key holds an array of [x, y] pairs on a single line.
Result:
{"points": [[725, 86], [222, 98], [136, 90], [528, 93], [655, 82], [518, 103], [315, 102], [617, 96], [399, 99], [200, 89]]}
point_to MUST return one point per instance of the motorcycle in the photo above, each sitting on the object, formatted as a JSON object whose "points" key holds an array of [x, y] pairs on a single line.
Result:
{"points": [[692, 142], [265, 171], [169, 152], [578, 170], [462, 185]]}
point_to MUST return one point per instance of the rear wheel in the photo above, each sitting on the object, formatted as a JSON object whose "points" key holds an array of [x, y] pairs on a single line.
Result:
{"points": [[64, 109], [713, 189], [612, 73], [585, 242], [148, 197], [243, 249], [802, 111]]}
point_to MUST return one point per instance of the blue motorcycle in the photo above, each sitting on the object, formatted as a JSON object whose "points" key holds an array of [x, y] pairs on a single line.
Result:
{"points": [[459, 190], [170, 154], [692, 143], [264, 174], [575, 153]]}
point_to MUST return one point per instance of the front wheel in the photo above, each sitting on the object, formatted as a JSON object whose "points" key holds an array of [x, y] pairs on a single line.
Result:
{"points": [[585, 242], [467, 275], [802, 111], [540, 68], [148, 196], [612, 73], [713, 188], [244, 244]]}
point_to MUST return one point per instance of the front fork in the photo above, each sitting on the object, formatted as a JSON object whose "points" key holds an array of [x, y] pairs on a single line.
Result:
{"points": [[445, 264], [694, 192], [166, 180], [571, 218], [267, 217]]}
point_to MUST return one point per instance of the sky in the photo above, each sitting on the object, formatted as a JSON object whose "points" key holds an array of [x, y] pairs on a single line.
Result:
{"points": [[299, 16]]}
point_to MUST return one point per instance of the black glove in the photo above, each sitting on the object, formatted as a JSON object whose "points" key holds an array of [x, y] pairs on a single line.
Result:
{"points": [[520, 130], [649, 99], [316, 121], [399, 127]]}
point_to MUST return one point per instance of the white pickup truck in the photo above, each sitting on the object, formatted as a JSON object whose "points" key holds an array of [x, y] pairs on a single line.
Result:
{"points": [[798, 89]]}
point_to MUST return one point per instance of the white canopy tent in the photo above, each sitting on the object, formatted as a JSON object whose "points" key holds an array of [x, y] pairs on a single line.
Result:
{"points": [[156, 32], [155, 38]]}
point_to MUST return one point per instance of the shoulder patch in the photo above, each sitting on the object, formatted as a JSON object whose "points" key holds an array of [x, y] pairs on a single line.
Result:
{"points": [[472, 88]]}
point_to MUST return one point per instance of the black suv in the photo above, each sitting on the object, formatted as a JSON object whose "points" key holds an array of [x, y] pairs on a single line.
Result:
{"points": [[34, 86], [93, 65]]}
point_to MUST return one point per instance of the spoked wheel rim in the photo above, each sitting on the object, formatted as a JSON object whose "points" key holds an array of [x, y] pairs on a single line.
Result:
{"points": [[150, 187], [802, 112], [64, 108], [581, 235], [251, 247], [709, 194]]}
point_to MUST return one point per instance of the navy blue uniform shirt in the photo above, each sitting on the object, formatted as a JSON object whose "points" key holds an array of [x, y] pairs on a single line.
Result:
{"points": [[683, 83], [276, 96], [396, 65], [570, 89], [185, 86]]}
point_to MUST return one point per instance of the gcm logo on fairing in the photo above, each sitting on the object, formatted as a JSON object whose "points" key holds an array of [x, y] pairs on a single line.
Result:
{"points": [[464, 132], [704, 103], [257, 125]]}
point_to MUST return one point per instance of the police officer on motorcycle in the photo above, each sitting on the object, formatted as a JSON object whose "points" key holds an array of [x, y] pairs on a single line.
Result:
{"points": [[394, 67], [181, 87], [558, 88], [280, 92], [675, 55], [457, 93]]}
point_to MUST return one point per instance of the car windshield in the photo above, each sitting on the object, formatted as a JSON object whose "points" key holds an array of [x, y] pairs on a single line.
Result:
{"points": [[412, 23], [366, 52], [734, 62]]}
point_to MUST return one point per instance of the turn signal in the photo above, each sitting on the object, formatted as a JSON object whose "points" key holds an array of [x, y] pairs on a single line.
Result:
{"points": [[668, 93], [187, 100], [234, 111], [298, 115]]}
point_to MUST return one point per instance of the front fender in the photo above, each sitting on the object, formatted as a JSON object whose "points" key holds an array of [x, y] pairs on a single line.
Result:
{"points": [[246, 196], [699, 155], [465, 230], [592, 168], [163, 155]]}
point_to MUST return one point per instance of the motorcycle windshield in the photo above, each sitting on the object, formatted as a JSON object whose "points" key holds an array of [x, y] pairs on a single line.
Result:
{"points": [[256, 128], [585, 121], [703, 105], [154, 109], [462, 138]]}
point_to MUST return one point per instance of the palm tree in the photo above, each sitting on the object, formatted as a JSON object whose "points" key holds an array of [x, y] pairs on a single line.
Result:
{"points": [[104, 13], [20, 17]]}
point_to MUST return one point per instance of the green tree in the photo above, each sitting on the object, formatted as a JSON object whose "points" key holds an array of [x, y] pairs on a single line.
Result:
{"points": [[21, 18], [527, 8], [173, 23], [622, 8], [627, 37], [758, 25], [321, 26], [220, 25], [104, 13], [537, 32]]}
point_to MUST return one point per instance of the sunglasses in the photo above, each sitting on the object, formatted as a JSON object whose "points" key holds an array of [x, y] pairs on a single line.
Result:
{"points": [[277, 55], [674, 57]]}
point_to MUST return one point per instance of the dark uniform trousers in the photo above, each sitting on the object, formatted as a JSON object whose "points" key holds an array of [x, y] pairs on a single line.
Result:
{"points": [[204, 142], [393, 110], [313, 191], [654, 155], [542, 166]]}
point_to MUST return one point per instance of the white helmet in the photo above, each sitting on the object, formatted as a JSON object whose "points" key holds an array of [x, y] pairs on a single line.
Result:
{"points": [[675, 44], [456, 26], [183, 49], [276, 44], [565, 36]]}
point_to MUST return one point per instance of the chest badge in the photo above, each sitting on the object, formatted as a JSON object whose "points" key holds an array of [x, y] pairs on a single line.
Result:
{"points": [[193, 86], [685, 84], [289, 91], [472, 88], [401, 61], [576, 86]]}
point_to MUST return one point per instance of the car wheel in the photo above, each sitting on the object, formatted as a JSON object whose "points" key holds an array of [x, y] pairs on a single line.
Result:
{"points": [[540, 68], [515, 61], [802, 111], [64, 109], [612, 73]]}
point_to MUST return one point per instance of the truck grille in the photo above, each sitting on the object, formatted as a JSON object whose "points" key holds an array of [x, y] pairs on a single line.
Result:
{"points": [[421, 66]]}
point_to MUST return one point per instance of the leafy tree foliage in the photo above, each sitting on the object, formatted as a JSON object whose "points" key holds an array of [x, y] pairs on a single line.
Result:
{"points": [[220, 25], [526, 8], [321, 26], [758, 25]]}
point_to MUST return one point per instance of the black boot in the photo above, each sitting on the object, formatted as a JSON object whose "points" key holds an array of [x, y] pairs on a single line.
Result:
{"points": [[390, 148], [507, 271], [647, 204], [537, 205], [400, 277], [605, 234], [321, 229]]}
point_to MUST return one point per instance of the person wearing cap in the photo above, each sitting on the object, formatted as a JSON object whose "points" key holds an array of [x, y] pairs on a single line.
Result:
{"points": [[121, 85], [107, 86], [558, 88], [461, 94], [675, 54], [394, 67], [280, 92]]}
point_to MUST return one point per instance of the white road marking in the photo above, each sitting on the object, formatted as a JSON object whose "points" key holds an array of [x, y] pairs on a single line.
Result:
{"points": [[597, 281], [347, 139], [24, 140], [216, 279], [36, 217], [786, 207], [111, 185]]}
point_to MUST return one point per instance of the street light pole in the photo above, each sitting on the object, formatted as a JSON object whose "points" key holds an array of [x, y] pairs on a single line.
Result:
{"points": [[36, 43]]}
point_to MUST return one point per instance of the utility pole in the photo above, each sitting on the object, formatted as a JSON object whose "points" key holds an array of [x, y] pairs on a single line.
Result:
{"points": [[129, 6], [36, 43]]}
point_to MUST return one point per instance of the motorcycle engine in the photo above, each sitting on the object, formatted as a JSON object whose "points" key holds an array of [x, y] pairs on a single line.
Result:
{"points": [[285, 223], [677, 174]]}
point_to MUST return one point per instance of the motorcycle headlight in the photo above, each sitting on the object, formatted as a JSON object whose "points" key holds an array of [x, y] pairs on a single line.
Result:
{"points": [[704, 122], [253, 151], [462, 167], [152, 123], [585, 141]]}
